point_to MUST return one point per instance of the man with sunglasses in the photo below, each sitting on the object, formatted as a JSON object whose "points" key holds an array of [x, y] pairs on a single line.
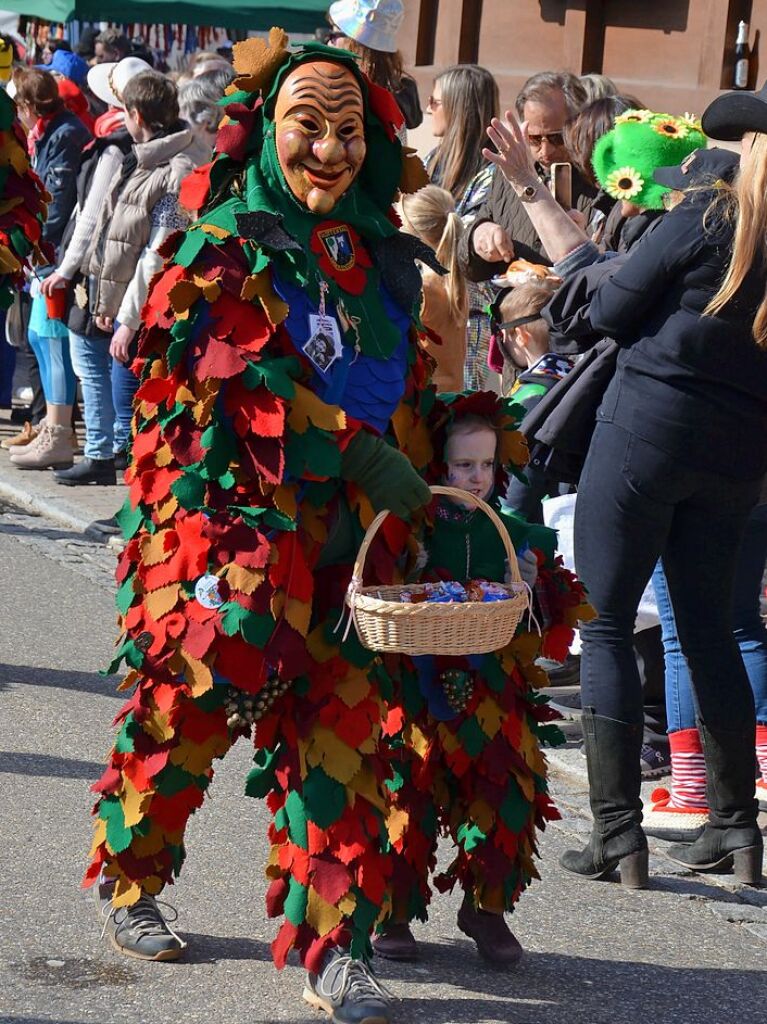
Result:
{"points": [[502, 230]]}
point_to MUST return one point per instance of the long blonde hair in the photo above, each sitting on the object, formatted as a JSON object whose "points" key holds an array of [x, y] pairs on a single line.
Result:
{"points": [[430, 214], [745, 201]]}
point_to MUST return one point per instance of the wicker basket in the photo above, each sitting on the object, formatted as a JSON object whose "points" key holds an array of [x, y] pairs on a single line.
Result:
{"points": [[385, 623]]}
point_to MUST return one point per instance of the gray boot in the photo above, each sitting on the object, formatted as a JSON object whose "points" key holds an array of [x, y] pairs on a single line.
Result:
{"points": [[348, 991], [612, 753], [139, 930]]}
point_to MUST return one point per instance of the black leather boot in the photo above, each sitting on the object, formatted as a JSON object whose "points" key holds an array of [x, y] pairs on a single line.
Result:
{"points": [[732, 836], [88, 471], [617, 840]]}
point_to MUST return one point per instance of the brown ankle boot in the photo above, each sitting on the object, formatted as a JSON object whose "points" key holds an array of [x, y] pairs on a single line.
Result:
{"points": [[495, 941], [52, 450], [25, 437]]}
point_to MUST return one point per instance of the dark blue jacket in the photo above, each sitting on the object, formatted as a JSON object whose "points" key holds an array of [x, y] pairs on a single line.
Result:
{"points": [[56, 161], [693, 386]]}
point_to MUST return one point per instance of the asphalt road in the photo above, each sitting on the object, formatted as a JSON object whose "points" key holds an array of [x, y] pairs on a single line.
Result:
{"points": [[596, 954]]}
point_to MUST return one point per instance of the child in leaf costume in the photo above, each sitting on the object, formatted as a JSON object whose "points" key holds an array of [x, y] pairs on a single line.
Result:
{"points": [[466, 732], [279, 341]]}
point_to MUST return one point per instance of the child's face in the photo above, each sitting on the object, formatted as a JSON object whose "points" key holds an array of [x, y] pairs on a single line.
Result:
{"points": [[470, 461]]}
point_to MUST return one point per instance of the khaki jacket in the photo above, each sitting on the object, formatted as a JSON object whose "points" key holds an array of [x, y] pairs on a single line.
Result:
{"points": [[123, 228]]}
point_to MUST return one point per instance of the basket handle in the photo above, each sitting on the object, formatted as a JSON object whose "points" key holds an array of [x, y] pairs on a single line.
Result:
{"points": [[450, 492]]}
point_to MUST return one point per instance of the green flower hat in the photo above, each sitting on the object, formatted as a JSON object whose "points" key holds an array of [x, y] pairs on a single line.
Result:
{"points": [[641, 141]]}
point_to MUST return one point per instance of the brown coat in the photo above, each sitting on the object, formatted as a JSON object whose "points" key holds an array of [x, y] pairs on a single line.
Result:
{"points": [[450, 356], [123, 229]]}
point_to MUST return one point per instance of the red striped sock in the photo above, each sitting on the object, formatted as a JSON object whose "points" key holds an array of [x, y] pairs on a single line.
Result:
{"points": [[688, 769], [761, 749]]}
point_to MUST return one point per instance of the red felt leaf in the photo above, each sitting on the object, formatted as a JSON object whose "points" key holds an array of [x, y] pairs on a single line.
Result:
{"points": [[371, 878], [195, 188], [198, 725], [158, 300], [275, 897], [219, 359], [330, 878], [283, 944], [263, 457], [240, 322], [154, 484], [199, 638], [156, 389], [291, 572], [241, 663], [108, 783], [385, 108], [172, 811]]}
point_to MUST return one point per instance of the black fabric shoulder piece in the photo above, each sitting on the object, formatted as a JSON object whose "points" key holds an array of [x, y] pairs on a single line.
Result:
{"points": [[265, 228], [396, 257]]}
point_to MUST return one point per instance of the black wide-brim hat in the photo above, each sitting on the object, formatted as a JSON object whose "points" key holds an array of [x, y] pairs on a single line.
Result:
{"points": [[729, 117], [701, 166]]}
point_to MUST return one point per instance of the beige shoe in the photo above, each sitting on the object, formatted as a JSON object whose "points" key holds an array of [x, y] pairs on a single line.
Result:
{"points": [[23, 438], [53, 450]]}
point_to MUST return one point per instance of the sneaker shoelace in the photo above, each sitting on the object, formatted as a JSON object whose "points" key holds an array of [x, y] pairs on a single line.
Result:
{"points": [[144, 918], [353, 978]]}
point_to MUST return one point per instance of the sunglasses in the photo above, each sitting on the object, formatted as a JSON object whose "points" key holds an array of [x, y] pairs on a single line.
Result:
{"points": [[434, 102], [553, 139]]}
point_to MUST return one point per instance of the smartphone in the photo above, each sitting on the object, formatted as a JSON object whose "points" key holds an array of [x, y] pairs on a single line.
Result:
{"points": [[561, 184]]}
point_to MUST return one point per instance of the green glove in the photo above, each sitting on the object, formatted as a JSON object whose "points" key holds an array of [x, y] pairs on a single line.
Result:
{"points": [[384, 474]]}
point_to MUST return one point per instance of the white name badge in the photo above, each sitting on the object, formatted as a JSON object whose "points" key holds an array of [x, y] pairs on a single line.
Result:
{"points": [[324, 344]]}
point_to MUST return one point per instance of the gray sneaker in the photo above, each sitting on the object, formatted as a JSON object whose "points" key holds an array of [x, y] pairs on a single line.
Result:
{"points": [[348, 991], [139, 930]]}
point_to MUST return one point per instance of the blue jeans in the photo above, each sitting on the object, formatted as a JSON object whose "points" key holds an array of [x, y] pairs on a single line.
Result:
{"points": [[636, 504], [58, 377], [7, 366], [124, 387], [749, 630], [93, 365]]}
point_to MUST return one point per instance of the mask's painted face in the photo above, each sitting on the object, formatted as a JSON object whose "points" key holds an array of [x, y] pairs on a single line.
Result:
{"points": [[320, 133]]}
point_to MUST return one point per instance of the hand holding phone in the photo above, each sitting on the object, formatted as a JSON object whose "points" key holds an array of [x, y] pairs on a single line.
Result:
{"points": [[561, 184]]}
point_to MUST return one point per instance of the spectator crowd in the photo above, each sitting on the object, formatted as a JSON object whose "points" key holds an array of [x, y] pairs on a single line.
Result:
{"points": [[603, 266]]}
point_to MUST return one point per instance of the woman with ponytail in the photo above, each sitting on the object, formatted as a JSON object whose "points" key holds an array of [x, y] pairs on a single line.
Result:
{"points": [[674, 469], [430, 215]]}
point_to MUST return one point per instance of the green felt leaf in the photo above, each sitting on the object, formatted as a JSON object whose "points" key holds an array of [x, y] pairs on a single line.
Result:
{"points": [[319, 493], [515, 808], [279, 520], [167, 416], [256, 516], [324, 798], [128, 651], [232, 615], [172, 779], [118, 836], [124, 742], [221, 449], [295, 902], [281, 819], [470, 837], [125, 594], [261, 779], [297, 828], [190, 248], [189, 489], [227, 481], [493, 673], [212, 699], [180, 332], [276, 374], [20, 242], [177, 856], [129, 519], [363, 919], [257, 629], [472, 737]]}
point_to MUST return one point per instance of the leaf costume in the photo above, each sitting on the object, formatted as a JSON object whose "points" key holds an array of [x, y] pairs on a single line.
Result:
{"points": [[23, 203], [245, 510], [476, 773]]}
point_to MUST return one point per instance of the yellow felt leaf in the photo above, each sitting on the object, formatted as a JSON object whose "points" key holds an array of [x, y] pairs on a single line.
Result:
{"points": [[312, 521], [126, 893], [20, 163], [447, 740], [6, 205], [318, 646], [99, 835], [166, 510], [347, 904], [353, 688], [306, 407], [130, 680], [242, 579], [413, 176], [197, 757], [8, 262], [322, 916], [273, 869], [198, 675], [523, 649], [161, 601], [148, 845], [482, 813], [418, 741], [207, 394], [184, 395], [285, 499], [153, 885], [260, 59], [153, 550], [513, 448], [298, 613], [134, 803], [397, 821], [210, 289], [157, 724], [412, 435], [213, 229], [163, 456], [260, 286], [489, 717], [277, 603], [366, 785], [183, 294], [328, 751]]}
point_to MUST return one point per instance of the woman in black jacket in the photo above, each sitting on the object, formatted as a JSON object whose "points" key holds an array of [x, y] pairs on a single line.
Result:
{"points": [[673, 471]]}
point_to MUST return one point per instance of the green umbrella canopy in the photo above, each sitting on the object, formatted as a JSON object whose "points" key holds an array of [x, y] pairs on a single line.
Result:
{"points": [[292, 15]]}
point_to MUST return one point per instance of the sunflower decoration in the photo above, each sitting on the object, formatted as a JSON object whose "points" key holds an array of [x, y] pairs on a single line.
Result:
{"points": [[624, 183], [671, 127], [635, 116], [692, 121], [625, 158]]}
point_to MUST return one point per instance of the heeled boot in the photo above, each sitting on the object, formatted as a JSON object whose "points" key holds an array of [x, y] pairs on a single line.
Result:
{"points": [[617, 840], [732, 836]]}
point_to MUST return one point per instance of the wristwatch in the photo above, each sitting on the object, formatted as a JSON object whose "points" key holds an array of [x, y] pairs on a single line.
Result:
{"points": [[527, 194]]}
